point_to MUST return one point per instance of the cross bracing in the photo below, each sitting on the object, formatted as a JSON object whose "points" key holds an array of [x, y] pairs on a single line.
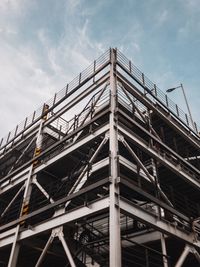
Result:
{"points": [[106, 173]]}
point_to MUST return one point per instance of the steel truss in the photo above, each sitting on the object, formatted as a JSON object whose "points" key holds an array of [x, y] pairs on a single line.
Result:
{"points": [[104, 174]]}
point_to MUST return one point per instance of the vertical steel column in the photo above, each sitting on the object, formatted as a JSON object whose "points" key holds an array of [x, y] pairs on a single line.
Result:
{"points": [[114, 211], [164, 250], [25, 205], [15, 246], [14, 250]]}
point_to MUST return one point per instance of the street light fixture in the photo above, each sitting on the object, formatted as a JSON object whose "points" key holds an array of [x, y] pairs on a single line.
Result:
{"points": [[188, 108]]}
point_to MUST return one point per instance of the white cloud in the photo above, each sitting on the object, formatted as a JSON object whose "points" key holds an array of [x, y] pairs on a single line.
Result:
{"points": [[23, 85], [32, 72], [35, 66], [72, 5], [184, 31], [192, 5], [14, 7], [190, 28], [162, 17], [136, 46], [7, 31], [7, 5]]}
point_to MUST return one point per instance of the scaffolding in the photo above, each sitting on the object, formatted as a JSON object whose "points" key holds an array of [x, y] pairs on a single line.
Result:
{"points": [[106, 173]]}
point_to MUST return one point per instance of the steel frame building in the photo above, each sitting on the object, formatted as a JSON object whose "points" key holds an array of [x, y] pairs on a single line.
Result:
{"points": [[106, 173]]}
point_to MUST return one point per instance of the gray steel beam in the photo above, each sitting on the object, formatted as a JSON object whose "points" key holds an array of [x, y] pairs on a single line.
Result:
{"points": [[22, 154], [155, 200], [66, 249], [23, 175], [61, 100], [15, 245], [7, 237], [183, 256], [174, 124], [42, 190], [148, 218], [69, 105], [72, 147], [44, 251], [114, 215], [59, 202], [49, 149], [164, 250], [81, 176], [12, 201], [142, 237], [31, 133], [13, 181], [58, 232], [14, 249], [149, 176], [162, 159], [26, 199], [77, 99], [161, 143]]}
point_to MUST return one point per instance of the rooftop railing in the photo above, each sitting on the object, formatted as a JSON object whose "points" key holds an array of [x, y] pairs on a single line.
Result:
{"points": [[59, 97], [150, 90]]}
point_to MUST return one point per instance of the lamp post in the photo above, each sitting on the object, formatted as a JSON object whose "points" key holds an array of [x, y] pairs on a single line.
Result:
{"points": [[186, 102]]}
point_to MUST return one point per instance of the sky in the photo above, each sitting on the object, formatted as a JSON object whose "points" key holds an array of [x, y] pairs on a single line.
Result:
{"points": [[44, 44]]}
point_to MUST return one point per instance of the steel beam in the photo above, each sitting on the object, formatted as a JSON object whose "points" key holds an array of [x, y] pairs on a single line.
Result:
{"points": [[72, 148], [76, 186], [15, 245], [25, 204], [62, 99], [55, 145], [175, 124], [14, 249], [159, 157], [13, 181], [148, 218], [42, 190], [164, 250], [6, 238], [196, 254], [66, 249], [44, 251], [23, 175], [78, 98], [58, 203], [114, 215], [112, 206], [160, 142], [183, 256], [22, 154], [11, 202], [58, 232], [149, 176], [95, 102]]}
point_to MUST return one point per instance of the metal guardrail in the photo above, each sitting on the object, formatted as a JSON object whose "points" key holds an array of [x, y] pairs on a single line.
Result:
{"points": [[126, 102], [85, 75], [153, 92], [182, 203], [141, 255], [90, 109], [150, 90]]}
